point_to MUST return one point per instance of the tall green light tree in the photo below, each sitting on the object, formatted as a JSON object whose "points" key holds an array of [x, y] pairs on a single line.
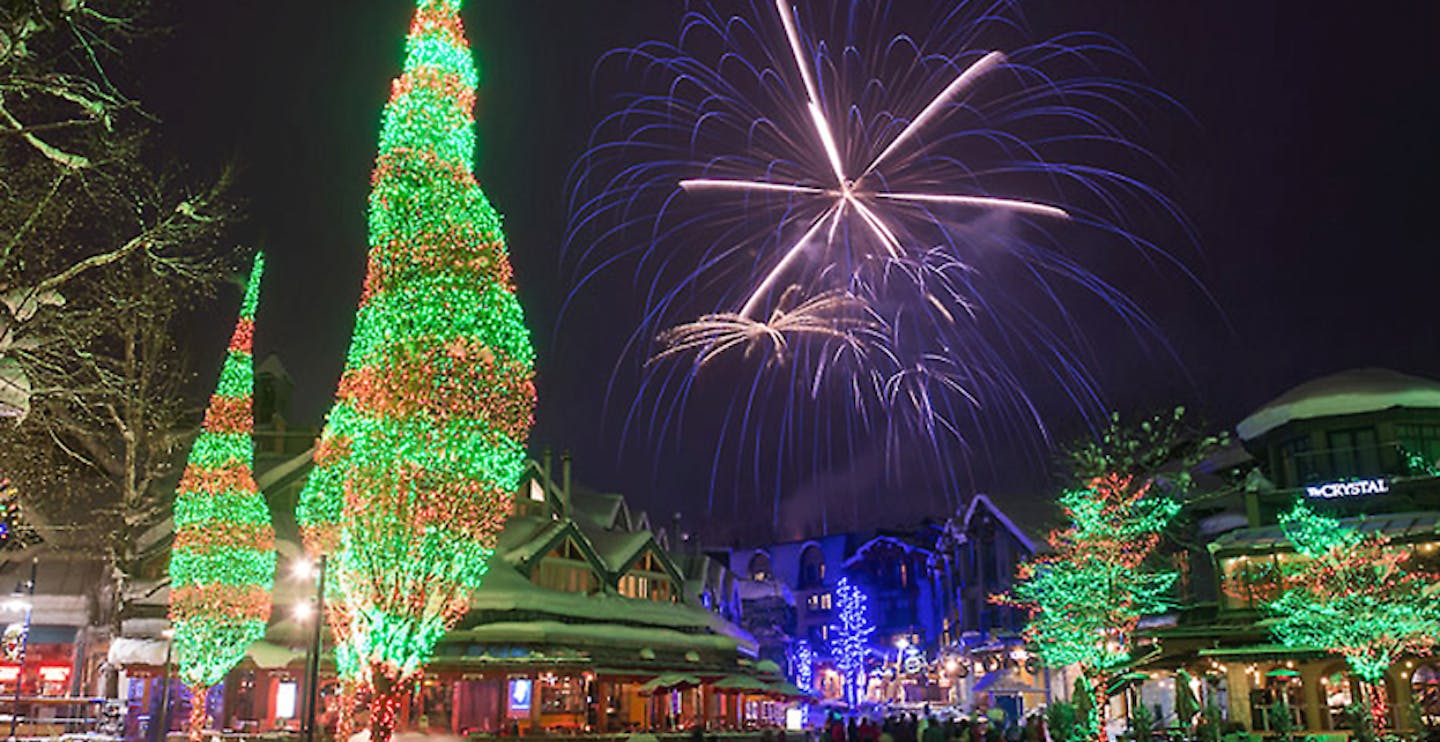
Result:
{"points": [[1355, 595], [426, 442], [222, 563]]}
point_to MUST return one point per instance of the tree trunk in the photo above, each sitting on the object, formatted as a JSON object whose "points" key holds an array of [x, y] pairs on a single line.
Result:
{"points": [[1093, 685], [198, 695], [345, 715], [385, 697], [1379, 706]]}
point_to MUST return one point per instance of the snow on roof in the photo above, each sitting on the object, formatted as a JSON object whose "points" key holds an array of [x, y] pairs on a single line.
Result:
{"points": [[982, 499], [1345, 393], [599, 635], [601, 509], [524, 535], [616, 548]]}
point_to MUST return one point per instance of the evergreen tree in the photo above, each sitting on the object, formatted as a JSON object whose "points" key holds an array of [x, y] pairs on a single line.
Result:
{"points": [[425, 444], [222, 563], [851, 638], [1356, 595]]}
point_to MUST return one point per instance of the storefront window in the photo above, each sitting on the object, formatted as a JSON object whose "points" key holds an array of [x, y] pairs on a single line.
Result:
{"points": [[562, 695], [1338, 696], [1425, 684]]}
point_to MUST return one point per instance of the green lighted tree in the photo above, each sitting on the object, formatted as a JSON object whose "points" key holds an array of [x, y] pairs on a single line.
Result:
{"points": [[222, 563], [1355, 595], [1088, 593], [426, 441]]}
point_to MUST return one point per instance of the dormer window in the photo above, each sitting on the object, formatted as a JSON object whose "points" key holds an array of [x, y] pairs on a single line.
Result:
{"points": [[647, 580], [566, 569]]}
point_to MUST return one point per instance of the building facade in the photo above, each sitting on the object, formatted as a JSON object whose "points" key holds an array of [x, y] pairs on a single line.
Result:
{"points": [[587, 620], [1360, 445]]}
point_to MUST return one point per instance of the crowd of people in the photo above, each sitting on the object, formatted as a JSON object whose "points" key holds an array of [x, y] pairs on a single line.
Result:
{"points": [[926, 728]]}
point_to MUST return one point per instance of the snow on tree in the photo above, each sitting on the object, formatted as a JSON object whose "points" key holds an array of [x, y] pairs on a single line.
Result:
{"points": [[850, 638], [101, 257], [426, 442], [1355, 595], [222, 562]]}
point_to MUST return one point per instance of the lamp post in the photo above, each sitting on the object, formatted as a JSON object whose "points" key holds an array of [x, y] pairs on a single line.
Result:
{"points": [[169, 635], [28, 601], [312, 656]]}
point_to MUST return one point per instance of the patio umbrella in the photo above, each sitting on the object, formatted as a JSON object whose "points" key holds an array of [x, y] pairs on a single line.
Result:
{"points": [[741, 684], [668, 682], [1124, 681], [786, 690]]}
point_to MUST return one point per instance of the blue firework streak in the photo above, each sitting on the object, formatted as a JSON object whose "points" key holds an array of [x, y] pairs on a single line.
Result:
{"points": [[874, 230]]}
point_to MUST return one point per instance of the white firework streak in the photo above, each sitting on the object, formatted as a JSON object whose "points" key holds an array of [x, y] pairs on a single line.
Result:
{"points": [[855, 196]]}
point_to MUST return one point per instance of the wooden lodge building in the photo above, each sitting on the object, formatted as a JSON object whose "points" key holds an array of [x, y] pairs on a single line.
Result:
{"points": [[588, 620]]}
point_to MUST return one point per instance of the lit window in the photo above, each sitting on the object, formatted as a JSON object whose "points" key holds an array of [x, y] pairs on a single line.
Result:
{"points": [[537, 493], [285, 695]]}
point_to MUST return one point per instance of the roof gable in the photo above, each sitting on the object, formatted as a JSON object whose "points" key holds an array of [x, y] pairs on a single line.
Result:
{"points": [[982, 501]]}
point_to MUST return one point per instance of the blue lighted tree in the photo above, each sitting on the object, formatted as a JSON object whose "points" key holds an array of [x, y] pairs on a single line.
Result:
{"points": [[849, 639], [802, 665]]}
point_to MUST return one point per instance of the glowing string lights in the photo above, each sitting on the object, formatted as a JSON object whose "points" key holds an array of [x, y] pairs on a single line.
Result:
{"points": [[222, 563], [427, 438]]}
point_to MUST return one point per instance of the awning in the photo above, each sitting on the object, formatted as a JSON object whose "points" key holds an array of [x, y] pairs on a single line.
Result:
{"points": [[272, 656], [1263, 651], [631, 673]]}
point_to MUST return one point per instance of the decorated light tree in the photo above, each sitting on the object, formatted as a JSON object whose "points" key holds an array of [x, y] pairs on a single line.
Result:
{"points": [[222, 563], [1088, 593], [802, 665], [426, 441], [850, 638], [1356, 595]]}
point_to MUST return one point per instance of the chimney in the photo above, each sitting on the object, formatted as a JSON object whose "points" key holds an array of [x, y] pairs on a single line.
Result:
{"points": [[565, 484]]}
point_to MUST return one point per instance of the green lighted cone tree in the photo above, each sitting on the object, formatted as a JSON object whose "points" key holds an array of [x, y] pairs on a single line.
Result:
{"points": [[1356, 595], [1086, 596], [426, 441], [222, 563]]}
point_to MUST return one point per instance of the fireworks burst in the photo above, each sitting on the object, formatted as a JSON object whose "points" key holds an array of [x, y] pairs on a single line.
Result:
{"points": [[895, 225]]}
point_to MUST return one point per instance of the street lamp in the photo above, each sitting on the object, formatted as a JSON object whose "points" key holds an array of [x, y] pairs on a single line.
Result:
{"points": [[169, 635], [23, 599], [315, 613]]}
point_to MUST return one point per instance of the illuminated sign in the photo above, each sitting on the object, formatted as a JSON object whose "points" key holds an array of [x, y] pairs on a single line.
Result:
{"points": [[520, 690], [286, 695], [1348, 489], [54, 673]]}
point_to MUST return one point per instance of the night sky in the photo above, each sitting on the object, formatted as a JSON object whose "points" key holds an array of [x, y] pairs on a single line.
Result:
{"points": [[1309, 170]]}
